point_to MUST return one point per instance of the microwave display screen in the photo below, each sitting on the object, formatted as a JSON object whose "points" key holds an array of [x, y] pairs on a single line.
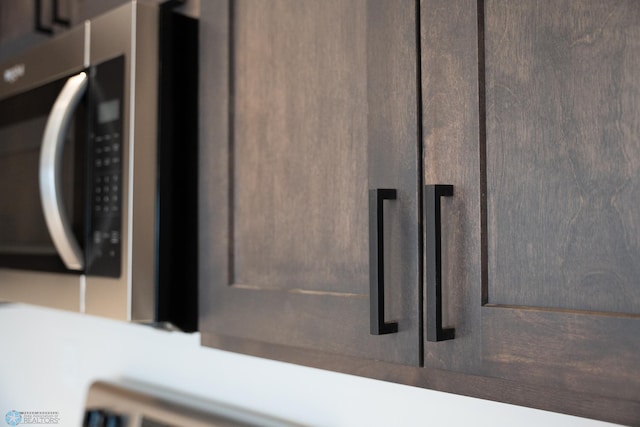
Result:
{"points": [[108, 111]]}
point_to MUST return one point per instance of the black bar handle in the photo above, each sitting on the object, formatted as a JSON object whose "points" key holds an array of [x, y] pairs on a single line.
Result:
{"points": [[56, 16], [432, 195], [39, 26], [376, 261]]}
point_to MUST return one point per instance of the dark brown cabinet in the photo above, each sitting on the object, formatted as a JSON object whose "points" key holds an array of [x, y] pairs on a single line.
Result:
{"points": [[532, 112], [529, 109], [306, 106], [27, 23], [17, 27]]}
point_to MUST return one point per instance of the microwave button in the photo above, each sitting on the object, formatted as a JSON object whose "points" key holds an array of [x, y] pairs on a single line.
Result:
{"points": [[116, 146], [98, 163], [107, 137], [97, 237], [107, 161]]}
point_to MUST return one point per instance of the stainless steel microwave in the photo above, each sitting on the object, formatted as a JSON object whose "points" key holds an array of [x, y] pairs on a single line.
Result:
{"points": [[98, 143]]}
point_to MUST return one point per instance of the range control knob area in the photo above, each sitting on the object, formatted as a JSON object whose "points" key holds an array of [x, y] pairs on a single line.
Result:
{"points": [[113, 420], [101, 418], [94, 418]]}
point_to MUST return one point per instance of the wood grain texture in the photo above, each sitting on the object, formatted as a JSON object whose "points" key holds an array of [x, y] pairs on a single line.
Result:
{"points": [[306, 105], [562, 107], [560, 166], [214, 157], [578, 362], [17, 21], [573, 351], [451, 154], [300, 157], [563, 155]]}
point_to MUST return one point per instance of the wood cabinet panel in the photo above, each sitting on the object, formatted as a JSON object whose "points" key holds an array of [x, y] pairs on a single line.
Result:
{"points": [[542, 129], [563, 157], [17, 27], [18, 20], [450, 121], [309, 105], [575, 351], [529, 109], [299, 122]]}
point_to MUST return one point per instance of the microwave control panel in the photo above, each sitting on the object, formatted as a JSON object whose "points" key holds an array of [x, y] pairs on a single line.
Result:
{"points": [[105, 148]]}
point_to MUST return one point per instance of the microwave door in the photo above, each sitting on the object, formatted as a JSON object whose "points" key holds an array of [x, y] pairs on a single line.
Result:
{"points": [[55, 214], [31, 270]]}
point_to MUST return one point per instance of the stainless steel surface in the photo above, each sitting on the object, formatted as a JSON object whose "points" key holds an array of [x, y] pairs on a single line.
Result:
{"points": [[143, 150], [50, 61], [60, 291], [132, 296], [160, 407], [53, 140], [130, 30]]}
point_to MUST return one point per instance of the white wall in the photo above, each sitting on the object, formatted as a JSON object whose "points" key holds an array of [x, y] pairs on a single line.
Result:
{"points": [[48, 359]]}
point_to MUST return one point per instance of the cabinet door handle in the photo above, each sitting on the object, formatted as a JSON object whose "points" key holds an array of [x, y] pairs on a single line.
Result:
{"points": [[376, 261], [39, 26], [56, 15], [432, 195]]}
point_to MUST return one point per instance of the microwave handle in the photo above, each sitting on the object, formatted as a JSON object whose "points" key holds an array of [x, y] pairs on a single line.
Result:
{"points": [[50, 165]]}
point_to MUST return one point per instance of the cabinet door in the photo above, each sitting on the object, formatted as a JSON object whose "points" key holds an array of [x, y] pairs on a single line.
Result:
{"points": [[305, 107], [18, 20], [532, 112], [17, 27], [26, 24]]}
